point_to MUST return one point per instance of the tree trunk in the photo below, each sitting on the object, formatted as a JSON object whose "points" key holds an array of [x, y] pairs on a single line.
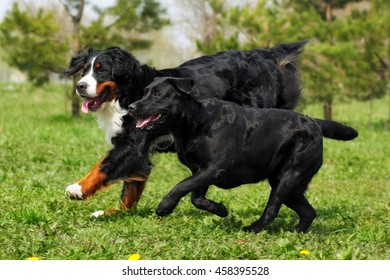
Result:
{"points": [[77, 50], [76, 19], [328, 110], [75, 100]]}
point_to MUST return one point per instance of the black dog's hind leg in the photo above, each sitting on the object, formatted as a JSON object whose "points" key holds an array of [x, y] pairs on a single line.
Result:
{"points": [[302, 207], [270, 212], [288, 190], [196, 182], [198, 198]]}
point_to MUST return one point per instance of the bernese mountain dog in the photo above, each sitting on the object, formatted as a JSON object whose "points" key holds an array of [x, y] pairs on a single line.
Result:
{"points": [[112, 79]]}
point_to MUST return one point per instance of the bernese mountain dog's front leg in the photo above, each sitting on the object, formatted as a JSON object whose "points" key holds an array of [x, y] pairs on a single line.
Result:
{"points": [[96, 179], [88, 185]]}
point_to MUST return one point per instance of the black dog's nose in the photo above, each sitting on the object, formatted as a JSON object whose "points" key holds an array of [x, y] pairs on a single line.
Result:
{"points": [[132, 107], [81, 87]]}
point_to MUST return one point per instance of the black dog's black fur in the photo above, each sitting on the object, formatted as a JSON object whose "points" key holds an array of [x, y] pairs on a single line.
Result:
{"points": [[258, 78], [226, 145]]}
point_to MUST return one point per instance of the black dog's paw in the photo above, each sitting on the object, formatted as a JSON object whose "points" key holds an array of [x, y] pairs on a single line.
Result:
{"points": [[163, 212], [255, 228], [165, 208], [221, 211]]}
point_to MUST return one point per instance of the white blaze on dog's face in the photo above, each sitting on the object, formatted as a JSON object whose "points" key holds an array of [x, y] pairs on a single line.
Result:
{"points": [[90, 81]]}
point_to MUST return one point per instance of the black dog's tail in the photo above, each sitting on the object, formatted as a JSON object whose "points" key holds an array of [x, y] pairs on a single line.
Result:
{"points": [[337, 131]]}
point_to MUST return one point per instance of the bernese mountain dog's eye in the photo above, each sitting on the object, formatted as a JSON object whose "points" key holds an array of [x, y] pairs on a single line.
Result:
{"points": [[155, 93], [100, 70]]}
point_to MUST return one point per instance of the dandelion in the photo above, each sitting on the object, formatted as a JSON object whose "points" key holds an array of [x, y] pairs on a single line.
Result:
{"points": [[134, 257], [34, 258], [304, 252]]}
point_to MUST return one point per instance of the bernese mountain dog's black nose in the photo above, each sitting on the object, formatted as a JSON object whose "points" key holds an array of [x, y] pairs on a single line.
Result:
{"points": [[81, 87]]}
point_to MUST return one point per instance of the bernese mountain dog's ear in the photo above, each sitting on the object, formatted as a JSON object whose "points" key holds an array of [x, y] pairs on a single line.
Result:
{"points": [[77, 63]]}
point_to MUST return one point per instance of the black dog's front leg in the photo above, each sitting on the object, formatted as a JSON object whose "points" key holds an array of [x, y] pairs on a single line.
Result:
{"points": [[197, 181], [198, 198]]}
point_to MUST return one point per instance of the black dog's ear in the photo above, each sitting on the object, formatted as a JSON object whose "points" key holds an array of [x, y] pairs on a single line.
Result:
{"points": [[183, 85]]}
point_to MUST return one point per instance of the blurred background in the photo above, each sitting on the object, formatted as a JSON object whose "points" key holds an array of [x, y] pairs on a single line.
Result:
{"points": [[347, 57]]}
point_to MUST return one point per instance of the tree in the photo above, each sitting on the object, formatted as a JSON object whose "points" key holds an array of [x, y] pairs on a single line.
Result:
{"points": [[29, 38], [334, 61], [75, 9]]}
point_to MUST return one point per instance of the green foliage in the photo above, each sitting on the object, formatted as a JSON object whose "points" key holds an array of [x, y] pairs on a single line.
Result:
{"points": [[43, 149], [33, 43], [124, 24]]}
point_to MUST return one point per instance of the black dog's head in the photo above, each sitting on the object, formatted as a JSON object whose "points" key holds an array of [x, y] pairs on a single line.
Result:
{"points": [[103, 72], [163, 100]]}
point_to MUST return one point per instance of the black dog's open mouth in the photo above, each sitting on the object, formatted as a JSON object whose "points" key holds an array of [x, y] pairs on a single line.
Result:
{"points": [[147, 121]]}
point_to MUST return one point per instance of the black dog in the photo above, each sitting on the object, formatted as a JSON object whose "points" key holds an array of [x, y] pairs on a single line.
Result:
{"points": [[113, 78], [226, 145]]}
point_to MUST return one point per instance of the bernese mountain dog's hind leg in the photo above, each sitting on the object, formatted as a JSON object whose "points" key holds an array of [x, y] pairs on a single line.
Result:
{"points": [[131, 193]]}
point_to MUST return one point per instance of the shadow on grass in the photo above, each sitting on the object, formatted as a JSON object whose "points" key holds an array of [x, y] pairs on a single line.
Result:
{"points": [[379, 125], [144, 212], [329, 220], [69, 119]]}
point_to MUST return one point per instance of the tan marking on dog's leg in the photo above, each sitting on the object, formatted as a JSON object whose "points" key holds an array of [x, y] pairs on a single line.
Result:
{"points": [[131, 193], [88, 185]]}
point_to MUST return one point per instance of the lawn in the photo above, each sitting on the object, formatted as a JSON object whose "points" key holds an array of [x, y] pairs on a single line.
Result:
{"points": [[43, 149]]}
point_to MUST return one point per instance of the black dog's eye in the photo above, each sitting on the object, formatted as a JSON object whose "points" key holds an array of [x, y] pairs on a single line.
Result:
{"points": [[155, 93]]}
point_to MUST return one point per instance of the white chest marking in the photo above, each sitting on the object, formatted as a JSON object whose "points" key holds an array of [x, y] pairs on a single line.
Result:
{"points": [[110, 119]]}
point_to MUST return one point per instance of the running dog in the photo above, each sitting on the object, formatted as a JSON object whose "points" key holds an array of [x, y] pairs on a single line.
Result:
{"points": [[227, 145]]}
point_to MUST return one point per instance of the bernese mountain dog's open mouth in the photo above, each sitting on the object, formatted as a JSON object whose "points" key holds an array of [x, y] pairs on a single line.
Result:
{"points": [[95, 103], [91, 104], [150, 121]]}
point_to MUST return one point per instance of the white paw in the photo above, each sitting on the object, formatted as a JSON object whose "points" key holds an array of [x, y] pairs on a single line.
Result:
{"points": [[74, 191], [97, 214]]}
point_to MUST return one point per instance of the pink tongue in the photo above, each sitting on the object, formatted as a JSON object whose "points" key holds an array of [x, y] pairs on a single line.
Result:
{"points": [[90, 102], [142, 122], [84, 107]]}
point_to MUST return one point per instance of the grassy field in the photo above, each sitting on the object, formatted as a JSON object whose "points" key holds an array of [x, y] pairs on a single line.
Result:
{"points": [[43, 149]]}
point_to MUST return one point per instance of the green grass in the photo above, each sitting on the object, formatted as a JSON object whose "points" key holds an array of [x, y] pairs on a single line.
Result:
{"points": [[43, 149]]}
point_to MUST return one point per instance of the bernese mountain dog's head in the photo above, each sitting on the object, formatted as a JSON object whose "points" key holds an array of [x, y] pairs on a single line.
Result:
{"points": [[103, 75]]}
